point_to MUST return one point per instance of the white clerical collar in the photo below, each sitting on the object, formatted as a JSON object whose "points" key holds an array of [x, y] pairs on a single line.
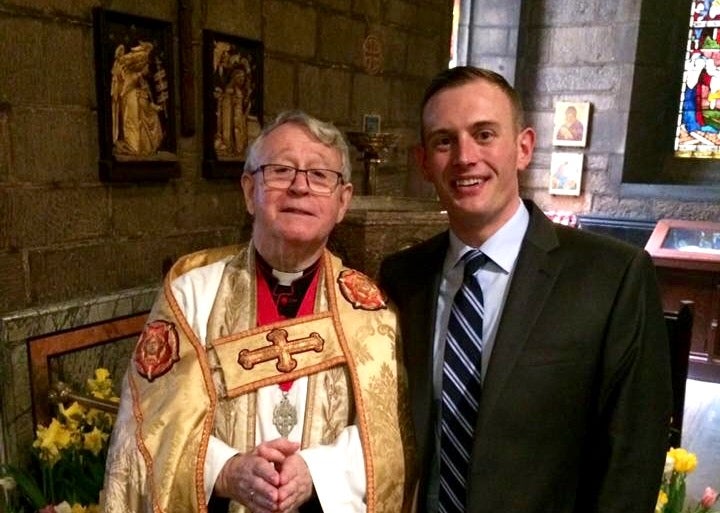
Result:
{"points": [[285, 278]]}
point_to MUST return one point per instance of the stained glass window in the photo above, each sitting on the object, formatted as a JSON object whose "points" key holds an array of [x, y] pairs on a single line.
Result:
{"points": [[454, 35], [698, 128]]}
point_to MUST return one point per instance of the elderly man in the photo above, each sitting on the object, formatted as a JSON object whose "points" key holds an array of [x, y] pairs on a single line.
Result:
{"points": [[268, 374]]}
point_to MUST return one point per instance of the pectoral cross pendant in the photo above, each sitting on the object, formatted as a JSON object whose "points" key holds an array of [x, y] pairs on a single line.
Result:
{"points": [[284, 416]]}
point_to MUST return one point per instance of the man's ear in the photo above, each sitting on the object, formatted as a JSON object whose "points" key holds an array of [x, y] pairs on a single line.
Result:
{"points": [[247, 182], [526, 145], [346, 193]]}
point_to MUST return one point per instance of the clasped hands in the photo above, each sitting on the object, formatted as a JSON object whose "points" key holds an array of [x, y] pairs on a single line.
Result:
{"points": [[272, 478]]}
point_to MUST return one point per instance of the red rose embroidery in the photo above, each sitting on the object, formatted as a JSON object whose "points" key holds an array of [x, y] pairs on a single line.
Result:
{"points": [[360, 291], [157, 349]]}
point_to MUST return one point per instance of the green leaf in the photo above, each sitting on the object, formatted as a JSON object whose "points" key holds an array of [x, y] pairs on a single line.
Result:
{"points": [[27, 485]]}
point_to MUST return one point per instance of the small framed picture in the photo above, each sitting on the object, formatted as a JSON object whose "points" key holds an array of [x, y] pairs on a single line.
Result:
{"points": [[232, 101], [371, 123], [566, 173], [570, 125], [136, 100]]}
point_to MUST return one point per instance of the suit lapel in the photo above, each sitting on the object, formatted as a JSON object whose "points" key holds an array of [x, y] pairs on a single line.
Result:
{"points": [[420, 306], [535, 275]]}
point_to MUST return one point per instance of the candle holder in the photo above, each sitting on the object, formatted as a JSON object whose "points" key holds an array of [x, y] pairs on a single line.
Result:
{"points": [[374, 148]]}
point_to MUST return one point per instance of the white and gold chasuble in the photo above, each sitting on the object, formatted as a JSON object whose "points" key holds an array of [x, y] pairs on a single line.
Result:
{"points": [[204, 380]]}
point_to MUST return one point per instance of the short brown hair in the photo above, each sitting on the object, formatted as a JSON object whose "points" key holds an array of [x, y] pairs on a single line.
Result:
{"points": [[461, 75]]}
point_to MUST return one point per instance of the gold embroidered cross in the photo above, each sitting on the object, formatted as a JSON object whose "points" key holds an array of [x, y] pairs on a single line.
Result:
{"points": [[282, 349]]}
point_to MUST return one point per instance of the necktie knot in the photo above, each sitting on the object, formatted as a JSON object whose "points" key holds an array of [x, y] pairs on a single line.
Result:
{"points": [[473, 260]]}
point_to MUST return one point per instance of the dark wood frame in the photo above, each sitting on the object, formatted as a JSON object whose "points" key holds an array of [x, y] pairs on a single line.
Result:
{"points": [[215, 166], [679, 325], [111, 30], [695, 276], [42, 349]]}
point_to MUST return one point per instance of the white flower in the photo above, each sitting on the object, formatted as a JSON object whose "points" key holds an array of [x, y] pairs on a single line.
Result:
{"points": [[669, 466], [7, 483], [63, 507]]}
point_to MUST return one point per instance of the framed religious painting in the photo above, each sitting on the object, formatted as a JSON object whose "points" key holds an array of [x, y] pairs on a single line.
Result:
{"points": [[565, 173], [232, 101], [570, 124], [136, 97]]}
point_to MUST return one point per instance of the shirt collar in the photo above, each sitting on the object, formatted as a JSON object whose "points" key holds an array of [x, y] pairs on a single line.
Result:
{"points": [[273, 276], [502, 247]]}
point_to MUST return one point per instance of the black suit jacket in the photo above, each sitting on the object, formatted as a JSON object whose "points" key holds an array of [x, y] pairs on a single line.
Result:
{"points": [[576, 401]]}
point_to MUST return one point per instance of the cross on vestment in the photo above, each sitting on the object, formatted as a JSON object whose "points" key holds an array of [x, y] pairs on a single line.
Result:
{"points": [[282, 349]]}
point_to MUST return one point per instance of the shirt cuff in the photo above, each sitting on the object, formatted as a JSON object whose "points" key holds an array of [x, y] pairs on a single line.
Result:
{"points": [[338, 473], [218, 453]]}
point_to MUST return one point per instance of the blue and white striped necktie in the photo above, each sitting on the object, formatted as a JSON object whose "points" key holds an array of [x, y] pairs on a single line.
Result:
{"points": [[461, 386]]}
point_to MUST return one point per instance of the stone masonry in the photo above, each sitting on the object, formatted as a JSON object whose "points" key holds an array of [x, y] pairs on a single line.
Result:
{"points": [[64, 234]]}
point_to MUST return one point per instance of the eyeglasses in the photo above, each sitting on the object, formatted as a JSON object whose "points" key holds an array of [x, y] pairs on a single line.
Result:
{"points": [[279, 176]]}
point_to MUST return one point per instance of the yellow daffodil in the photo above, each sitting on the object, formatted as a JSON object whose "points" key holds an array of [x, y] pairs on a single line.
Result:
{"points": [[94, 441], [50, 440], [685, 461], [102, 386], [78, 508], [672, 499], [78, 436], [661, 501], [102, 374], [74, 414]]}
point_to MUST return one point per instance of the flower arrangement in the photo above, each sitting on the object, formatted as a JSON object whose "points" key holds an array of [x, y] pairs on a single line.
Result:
{"points": [[671, 499], [68, 458]]}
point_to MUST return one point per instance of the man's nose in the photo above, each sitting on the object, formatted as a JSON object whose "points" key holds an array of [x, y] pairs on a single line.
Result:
{"points": [[300, 182], [465, 150]]}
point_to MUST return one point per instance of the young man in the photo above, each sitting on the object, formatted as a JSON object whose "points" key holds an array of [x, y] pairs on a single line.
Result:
{"points": [[267, 374], [540, 382]]}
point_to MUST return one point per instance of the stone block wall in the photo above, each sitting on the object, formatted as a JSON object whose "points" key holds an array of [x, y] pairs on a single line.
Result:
{"points": [[64, 234]]}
